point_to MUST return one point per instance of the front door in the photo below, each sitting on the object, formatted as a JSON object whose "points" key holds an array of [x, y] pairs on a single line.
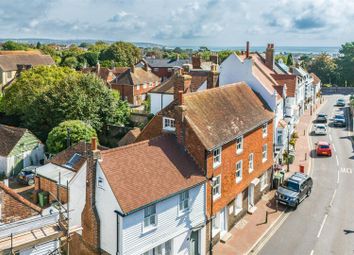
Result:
{"points": [[223, 222], [250, 196], [194, 243]]}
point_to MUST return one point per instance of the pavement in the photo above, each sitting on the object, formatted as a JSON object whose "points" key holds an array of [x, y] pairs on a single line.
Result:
{"points": [[253, 231], [324, 222]]}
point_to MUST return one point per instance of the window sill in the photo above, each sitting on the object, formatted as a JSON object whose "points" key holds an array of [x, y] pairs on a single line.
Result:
{"points": [[250, 170], [239, 151], [183, 213], [216, 165], [216, 197], [238, 180], [216, 231], [263, 188], [237, 211], [264, 136], [264, 160], [149, 229]]}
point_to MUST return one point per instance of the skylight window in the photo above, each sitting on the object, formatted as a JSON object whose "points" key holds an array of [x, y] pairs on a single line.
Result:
{"points": [[73, 160]]}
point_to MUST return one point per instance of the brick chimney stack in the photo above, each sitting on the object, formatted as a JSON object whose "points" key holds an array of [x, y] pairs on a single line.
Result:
{"points": [[89, 217], [269, 58], [214, 58], [196, 61], [247, 49], [145, 67], [179, 121], [182, 82], [213, 77]]}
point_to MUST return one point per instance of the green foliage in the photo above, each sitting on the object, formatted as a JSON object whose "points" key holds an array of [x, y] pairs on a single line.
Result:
{"points": [[289, 60], [11, 45], [281, 57], [19, 97], [121, 53], [147, 104], [324, 67], [79, 130], [98, 47], [71, 62], [91, 57], [81, 97], [346, 64], [224, 54]]}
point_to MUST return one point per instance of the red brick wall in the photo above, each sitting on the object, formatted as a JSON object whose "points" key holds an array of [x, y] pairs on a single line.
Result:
{"points": [[44, 184], [13, 210], [125, 91], [152, 129]]}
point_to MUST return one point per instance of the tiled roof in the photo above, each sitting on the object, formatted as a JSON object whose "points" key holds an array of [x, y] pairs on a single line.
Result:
{"points": [[19, 198], [80, 148], [129, 137], [9, 137], [146, 172], [289, 80], [221, 114], [139, 76], [315, 78], [198, 78], [153, 62], [10, 62]]}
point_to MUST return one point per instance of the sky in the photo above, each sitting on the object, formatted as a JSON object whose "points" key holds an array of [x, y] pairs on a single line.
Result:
{"points": [[184, 22]]}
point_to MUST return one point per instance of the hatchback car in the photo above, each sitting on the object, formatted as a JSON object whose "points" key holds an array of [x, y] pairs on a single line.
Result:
{"points": [[323, 149], [339, 121], [340, 102], [26, 176], [321, 118], [320, 129], [294, 190]]}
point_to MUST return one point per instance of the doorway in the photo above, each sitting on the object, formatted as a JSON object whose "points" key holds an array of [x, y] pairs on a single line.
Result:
{"points": [[223, 222], [250, 196]]}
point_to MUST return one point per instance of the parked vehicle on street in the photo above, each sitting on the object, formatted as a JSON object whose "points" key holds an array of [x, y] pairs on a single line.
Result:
{"points": [[323, 149], [294, 190], [321, 118], [320, 129], [340, 102], [26, 176], [339, 121]]}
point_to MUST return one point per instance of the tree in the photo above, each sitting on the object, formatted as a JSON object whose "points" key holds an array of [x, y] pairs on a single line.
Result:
{"points": [[31, 84], [91, 57], [82, 97], [324, 67], [71, 62], [290, 60], [345, 64], [122, 53], [224, 54], [11, 45], [77, 131]]}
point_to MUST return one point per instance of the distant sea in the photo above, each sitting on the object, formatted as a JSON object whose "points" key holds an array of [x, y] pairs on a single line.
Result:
{"points": [[278, 49]]}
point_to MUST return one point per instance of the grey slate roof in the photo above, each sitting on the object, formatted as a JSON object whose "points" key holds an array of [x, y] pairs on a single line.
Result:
{"points": [[156, 63]]}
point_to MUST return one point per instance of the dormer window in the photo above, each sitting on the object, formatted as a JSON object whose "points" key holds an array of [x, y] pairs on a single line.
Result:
{"points": [[168, 124]]}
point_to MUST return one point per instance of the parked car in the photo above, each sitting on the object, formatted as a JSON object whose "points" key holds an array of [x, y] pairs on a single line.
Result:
{"points": [[294, 190], [323, 148], [340, 102], [26, 176], [320, 129], [339, 121], [321, 118]]}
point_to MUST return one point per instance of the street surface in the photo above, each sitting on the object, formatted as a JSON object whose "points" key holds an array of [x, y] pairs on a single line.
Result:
{"points": [[324, 222]]}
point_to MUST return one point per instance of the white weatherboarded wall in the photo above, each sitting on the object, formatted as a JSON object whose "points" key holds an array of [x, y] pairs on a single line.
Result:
{"points": [[159, 101], [42, 249]]}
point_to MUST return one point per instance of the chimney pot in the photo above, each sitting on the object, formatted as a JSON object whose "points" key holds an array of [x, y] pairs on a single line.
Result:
{"points": [[94, 143], [247, 49], [180, 97]]}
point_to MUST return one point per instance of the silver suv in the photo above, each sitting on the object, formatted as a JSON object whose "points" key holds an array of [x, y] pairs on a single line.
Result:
{"points": [[294, 190]]}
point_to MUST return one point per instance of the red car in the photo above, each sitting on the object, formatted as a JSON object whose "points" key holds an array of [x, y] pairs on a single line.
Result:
{"points": [[323, 148]]}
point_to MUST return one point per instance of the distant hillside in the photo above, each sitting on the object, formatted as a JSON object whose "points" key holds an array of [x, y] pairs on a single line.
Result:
{"points": [[73, 41]]}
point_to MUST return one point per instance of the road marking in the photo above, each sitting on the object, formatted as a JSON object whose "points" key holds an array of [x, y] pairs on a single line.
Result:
{"points": [[338, 176], [330, 137], [334, 195], [312, 252], [262, 241], [346, 170], [322, 225], [337, 160]]}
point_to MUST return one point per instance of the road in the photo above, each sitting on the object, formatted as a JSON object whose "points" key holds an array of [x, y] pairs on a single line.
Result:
{"points": [[324, 222]]}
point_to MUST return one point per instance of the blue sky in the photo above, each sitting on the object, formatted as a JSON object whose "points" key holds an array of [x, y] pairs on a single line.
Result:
{"points": [[183, 22]]}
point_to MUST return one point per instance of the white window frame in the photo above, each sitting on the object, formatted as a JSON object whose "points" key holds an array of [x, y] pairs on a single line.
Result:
{"points": [[148, 218], [218, 186], [250, 162], [238, 203], [162, 247], [217, 157], [238, 170], [239, 145], [168, 124], [264, 152], [183, 202], [264, 130], [263, 180]]}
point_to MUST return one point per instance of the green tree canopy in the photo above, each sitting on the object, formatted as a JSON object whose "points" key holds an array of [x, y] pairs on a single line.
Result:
{"points": [[345, 64], [11, 45], [31, 84], [122, 53], [81, 97], [290, 60], [78, 131], [324, 67]]}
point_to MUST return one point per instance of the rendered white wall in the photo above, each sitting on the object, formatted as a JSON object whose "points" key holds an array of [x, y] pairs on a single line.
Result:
{"points": [[159, 101]]}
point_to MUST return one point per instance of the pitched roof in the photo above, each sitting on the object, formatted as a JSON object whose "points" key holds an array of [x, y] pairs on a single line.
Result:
{"points": [[105, 73], [19, 198], [10, 62], [163, 168], [80, 148], [198, 78], [139, 76], [9, 137], [156, 63], [129, 137], [221, 114], [315, 78], [289, 80]]}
